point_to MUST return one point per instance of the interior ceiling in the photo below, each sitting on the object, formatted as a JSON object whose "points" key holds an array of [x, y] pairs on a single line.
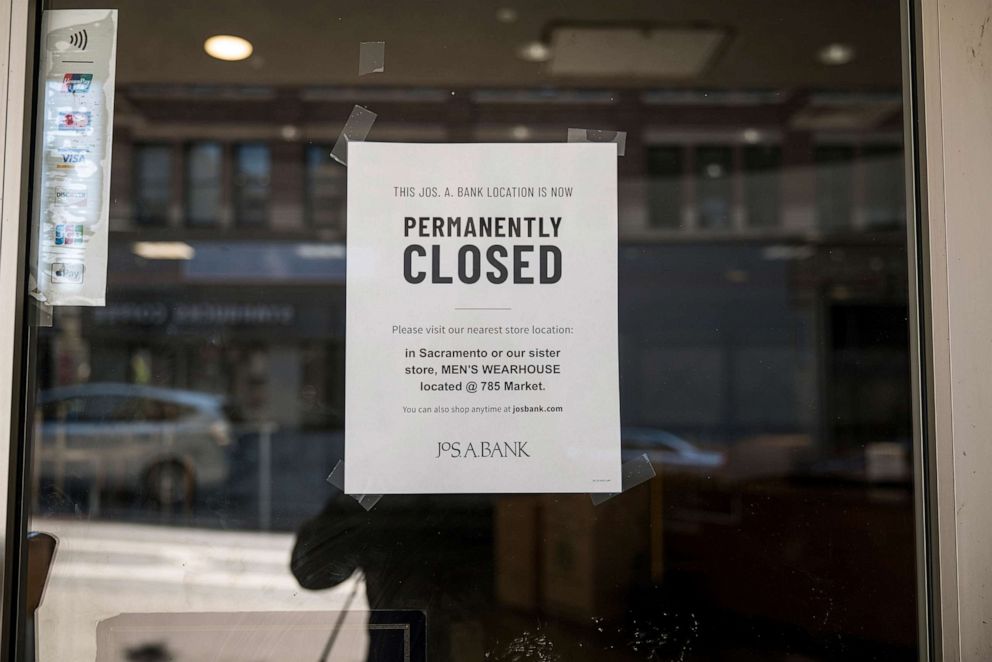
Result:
{"points": [[461, 43]]}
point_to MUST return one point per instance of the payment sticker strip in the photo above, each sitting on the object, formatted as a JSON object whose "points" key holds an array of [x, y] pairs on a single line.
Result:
{"points": [[75, 127]]}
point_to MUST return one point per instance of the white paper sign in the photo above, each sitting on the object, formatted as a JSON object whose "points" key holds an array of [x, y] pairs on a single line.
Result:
{"points": [[482, 319], [73, 181]]}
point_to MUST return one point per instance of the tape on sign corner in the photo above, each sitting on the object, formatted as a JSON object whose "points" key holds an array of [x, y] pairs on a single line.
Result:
{"points": [[355, 130], [632, 473], [336, 479], [368, 501], [599, 136], [371, 57]]}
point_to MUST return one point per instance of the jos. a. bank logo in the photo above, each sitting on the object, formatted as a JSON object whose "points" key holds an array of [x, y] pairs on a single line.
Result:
{"points": [[67, 272], [482, 450]]}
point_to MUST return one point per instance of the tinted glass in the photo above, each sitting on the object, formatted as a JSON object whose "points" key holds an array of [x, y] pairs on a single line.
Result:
{"points": [[835, 179], [204, 183], [252, 174], [762, 185], [884, 182], [326, 188], [763, 345], [714, 172], [153, 191], [666, 169]]}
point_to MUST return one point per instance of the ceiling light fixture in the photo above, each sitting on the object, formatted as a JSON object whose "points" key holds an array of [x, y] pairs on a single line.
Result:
{"points": [[228, 47], [535, 51], [320, 251], [163, 250], [506, 14], [714, 170], [290, 132], [836, 54], [751, 136]]}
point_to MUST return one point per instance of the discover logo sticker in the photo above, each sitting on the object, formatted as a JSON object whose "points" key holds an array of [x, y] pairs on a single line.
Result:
{"points": [[67, 197]]}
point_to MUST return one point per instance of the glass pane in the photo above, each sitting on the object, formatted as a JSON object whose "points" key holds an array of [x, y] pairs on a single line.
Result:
{"points": [[186, 431], [252, 172], [834, 186], [884, 184], [153, 184], [204, 185], [714, 191], [665, 173], [326, 188], [762, 189]]}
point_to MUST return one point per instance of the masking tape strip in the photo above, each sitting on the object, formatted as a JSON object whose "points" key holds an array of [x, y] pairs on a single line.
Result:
{"points": [[355, 129], [633, 473], [336, 478], [598, 136], [44, 314], [371, 57]]}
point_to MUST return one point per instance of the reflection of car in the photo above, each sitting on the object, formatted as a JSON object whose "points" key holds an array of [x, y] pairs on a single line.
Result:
{"points": [[664, 448], [163, 443]]}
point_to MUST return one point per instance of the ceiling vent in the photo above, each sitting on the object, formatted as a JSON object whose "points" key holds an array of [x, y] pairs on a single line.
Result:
{"points": [[670, 53], [826, 112]]}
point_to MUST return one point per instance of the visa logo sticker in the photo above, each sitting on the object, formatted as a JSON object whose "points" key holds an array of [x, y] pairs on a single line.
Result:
{"points": [[67, 272], [74, 83], [77, 121], [71, 157]]}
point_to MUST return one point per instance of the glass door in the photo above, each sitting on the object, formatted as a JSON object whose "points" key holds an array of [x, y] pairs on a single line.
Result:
{"points": [[187, 433]]}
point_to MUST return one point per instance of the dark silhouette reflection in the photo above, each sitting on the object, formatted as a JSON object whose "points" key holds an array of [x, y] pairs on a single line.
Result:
{"points": [[153, 652], [427, 553]]}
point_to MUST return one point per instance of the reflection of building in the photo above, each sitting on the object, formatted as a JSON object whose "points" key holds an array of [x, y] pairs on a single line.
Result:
{"points": [[277, 350], [762, 246], [697, 162], [723, 341]]}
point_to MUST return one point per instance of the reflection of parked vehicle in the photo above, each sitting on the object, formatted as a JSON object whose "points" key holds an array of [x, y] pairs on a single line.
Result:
{"points": [[162, 443], [664, 448]]}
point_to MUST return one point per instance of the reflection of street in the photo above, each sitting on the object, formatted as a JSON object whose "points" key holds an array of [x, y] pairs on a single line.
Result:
{"points": [[102, 570], [161, 444]]}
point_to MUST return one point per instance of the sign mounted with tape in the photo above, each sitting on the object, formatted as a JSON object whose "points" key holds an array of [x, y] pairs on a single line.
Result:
{"points": [[72, 198], [482, 319]]}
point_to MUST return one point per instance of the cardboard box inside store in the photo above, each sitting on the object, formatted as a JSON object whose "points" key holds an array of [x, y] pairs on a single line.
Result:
{"points": [[517, 521], [567, 557]]}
